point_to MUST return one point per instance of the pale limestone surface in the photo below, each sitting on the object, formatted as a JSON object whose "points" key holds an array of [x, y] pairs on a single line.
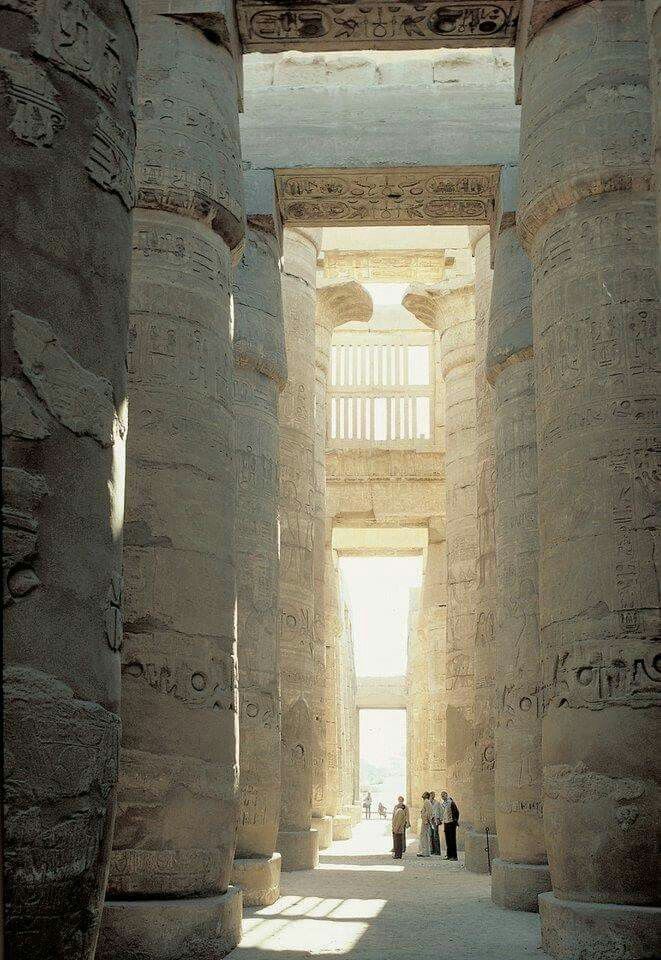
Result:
{"points": [[175, 833], [479, 852], [587, 218], [302, 722], [260, 374], [521, 873], [66, 154], [375, 110]]}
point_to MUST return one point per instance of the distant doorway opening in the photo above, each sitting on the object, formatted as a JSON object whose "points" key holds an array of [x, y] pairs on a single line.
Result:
{"points": [[382, 757]]}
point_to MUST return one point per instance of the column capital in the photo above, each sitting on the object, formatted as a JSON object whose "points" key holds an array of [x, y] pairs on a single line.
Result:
{"points": [[344, 302], [443, 305]]}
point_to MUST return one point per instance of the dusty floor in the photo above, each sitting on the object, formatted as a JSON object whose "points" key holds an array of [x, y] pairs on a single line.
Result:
{"points": [[363, 905]]}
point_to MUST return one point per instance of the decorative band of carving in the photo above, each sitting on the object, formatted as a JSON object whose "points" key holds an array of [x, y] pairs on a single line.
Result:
{"points": [[324, 25], [404, 196]]}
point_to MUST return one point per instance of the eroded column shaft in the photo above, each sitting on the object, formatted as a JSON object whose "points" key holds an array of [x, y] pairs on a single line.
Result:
{"points": [[481, 843], [521, 872], [301, 725], [260, 375], [176, 831], [588, 221], [67, 139]]}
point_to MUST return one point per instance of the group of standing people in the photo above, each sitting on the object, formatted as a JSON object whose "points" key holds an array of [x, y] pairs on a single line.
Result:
{"points": [[434, 814]]}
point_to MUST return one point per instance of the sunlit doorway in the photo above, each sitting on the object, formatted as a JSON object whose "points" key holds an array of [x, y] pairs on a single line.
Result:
{"points": [[382, 757]]}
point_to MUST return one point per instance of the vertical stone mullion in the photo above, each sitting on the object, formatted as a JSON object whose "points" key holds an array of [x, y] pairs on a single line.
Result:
{"points": [[521, 872], [481, 842], [587, 219], [67, 139], [175, 835], [260, 375]]}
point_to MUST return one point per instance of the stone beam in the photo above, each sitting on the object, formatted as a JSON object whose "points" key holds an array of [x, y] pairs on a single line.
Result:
{"points": [[386, 266], [372, 25], [394, 196], [381, 693]]}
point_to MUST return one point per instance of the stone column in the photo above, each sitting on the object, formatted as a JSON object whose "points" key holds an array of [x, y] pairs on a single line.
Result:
{"points": [[178, 806], [67, 139], [433, 615], [450, 309], [653, 8], [521, 872], [418, 707], [481, 842], [337, 303], [301, 722], [260, 375], [587, 220]]}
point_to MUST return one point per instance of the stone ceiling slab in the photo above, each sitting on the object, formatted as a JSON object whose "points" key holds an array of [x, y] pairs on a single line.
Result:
{"points": [[395, 196], [369, 25]]}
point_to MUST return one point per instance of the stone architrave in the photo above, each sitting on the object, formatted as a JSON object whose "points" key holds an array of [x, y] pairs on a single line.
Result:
{"points": [[337, 303], [450, 309], [481, 842], [587, 220], [301, 717], [260, 375], [67, 140], [521, 872], [178, 805]]}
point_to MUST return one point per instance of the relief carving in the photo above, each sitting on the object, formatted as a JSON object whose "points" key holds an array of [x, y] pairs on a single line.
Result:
{"points": [[37, 117], [110, 160]]}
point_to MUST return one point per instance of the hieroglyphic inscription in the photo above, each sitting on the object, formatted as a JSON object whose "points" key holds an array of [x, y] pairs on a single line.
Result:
{"points": [[37, 117], [389, 266], [324, 25], [426, 195], [208, 686]]}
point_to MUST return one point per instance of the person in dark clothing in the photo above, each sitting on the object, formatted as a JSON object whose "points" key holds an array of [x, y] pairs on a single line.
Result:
{"points": [[400, 821], [450, 813]]}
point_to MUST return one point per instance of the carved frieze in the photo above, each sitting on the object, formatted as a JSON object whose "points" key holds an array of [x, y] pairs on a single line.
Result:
{"points": [[386, 266], [324, 25], [403, 196]]}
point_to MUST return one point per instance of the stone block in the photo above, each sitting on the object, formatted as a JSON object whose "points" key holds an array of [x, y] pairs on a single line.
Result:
{"points": [[572, 930], [299, 849], [342, 828], [516, 886], [324, 828], [259, 879]]}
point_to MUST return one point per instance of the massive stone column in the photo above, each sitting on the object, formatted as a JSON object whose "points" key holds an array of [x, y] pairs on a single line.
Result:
{"points": [[260, 375], [450, 309], [481, 842], [653, 8], [521, 872], [433, 618], [418, 707], [302, 722], [588, 222], [178, 798], [67, 139], [337, 303]]}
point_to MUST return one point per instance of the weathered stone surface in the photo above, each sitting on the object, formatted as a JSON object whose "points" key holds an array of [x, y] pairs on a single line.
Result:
{"points": [[260, 373], [64, 313], [522, 872], [342, 827], [176, 832], [302, 718], [587, 218]]}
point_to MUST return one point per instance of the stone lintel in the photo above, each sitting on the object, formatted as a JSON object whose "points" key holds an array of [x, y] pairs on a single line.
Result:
{"points": [[394, 196], [387, 266], [316, 25], [381, 693]]}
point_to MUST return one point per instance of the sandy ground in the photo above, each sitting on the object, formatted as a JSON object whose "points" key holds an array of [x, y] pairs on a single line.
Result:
{"points": [[363, 905]]}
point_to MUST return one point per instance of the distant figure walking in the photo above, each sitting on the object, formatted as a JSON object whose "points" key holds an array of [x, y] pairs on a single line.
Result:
{"points": [[382, 811], [424, 848], [436, 819], [450, 822], [400, 821], [367, 804]]}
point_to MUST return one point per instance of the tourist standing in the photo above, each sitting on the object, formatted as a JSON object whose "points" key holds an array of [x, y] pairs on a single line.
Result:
{"points": [[424, 848], [436, 819], [400, 821], [450, 817], [367, 804]]}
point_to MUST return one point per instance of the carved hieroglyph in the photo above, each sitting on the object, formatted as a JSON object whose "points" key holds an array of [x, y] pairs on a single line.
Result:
{"points": [[325, 25], [479, 851], [176, 831], [386, 266], [260, 373], [401, 196], [302, 725], [521, 872], [588, 220], [64, 315], [450, 308]]}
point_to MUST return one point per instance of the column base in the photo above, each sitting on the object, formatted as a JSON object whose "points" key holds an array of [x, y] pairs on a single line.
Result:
{"points": [[200, 928], [477, 860], [572, 930], [259, 879], [299, 850], [342, 828], [356, 813], [516, 886], [324, 828]]}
